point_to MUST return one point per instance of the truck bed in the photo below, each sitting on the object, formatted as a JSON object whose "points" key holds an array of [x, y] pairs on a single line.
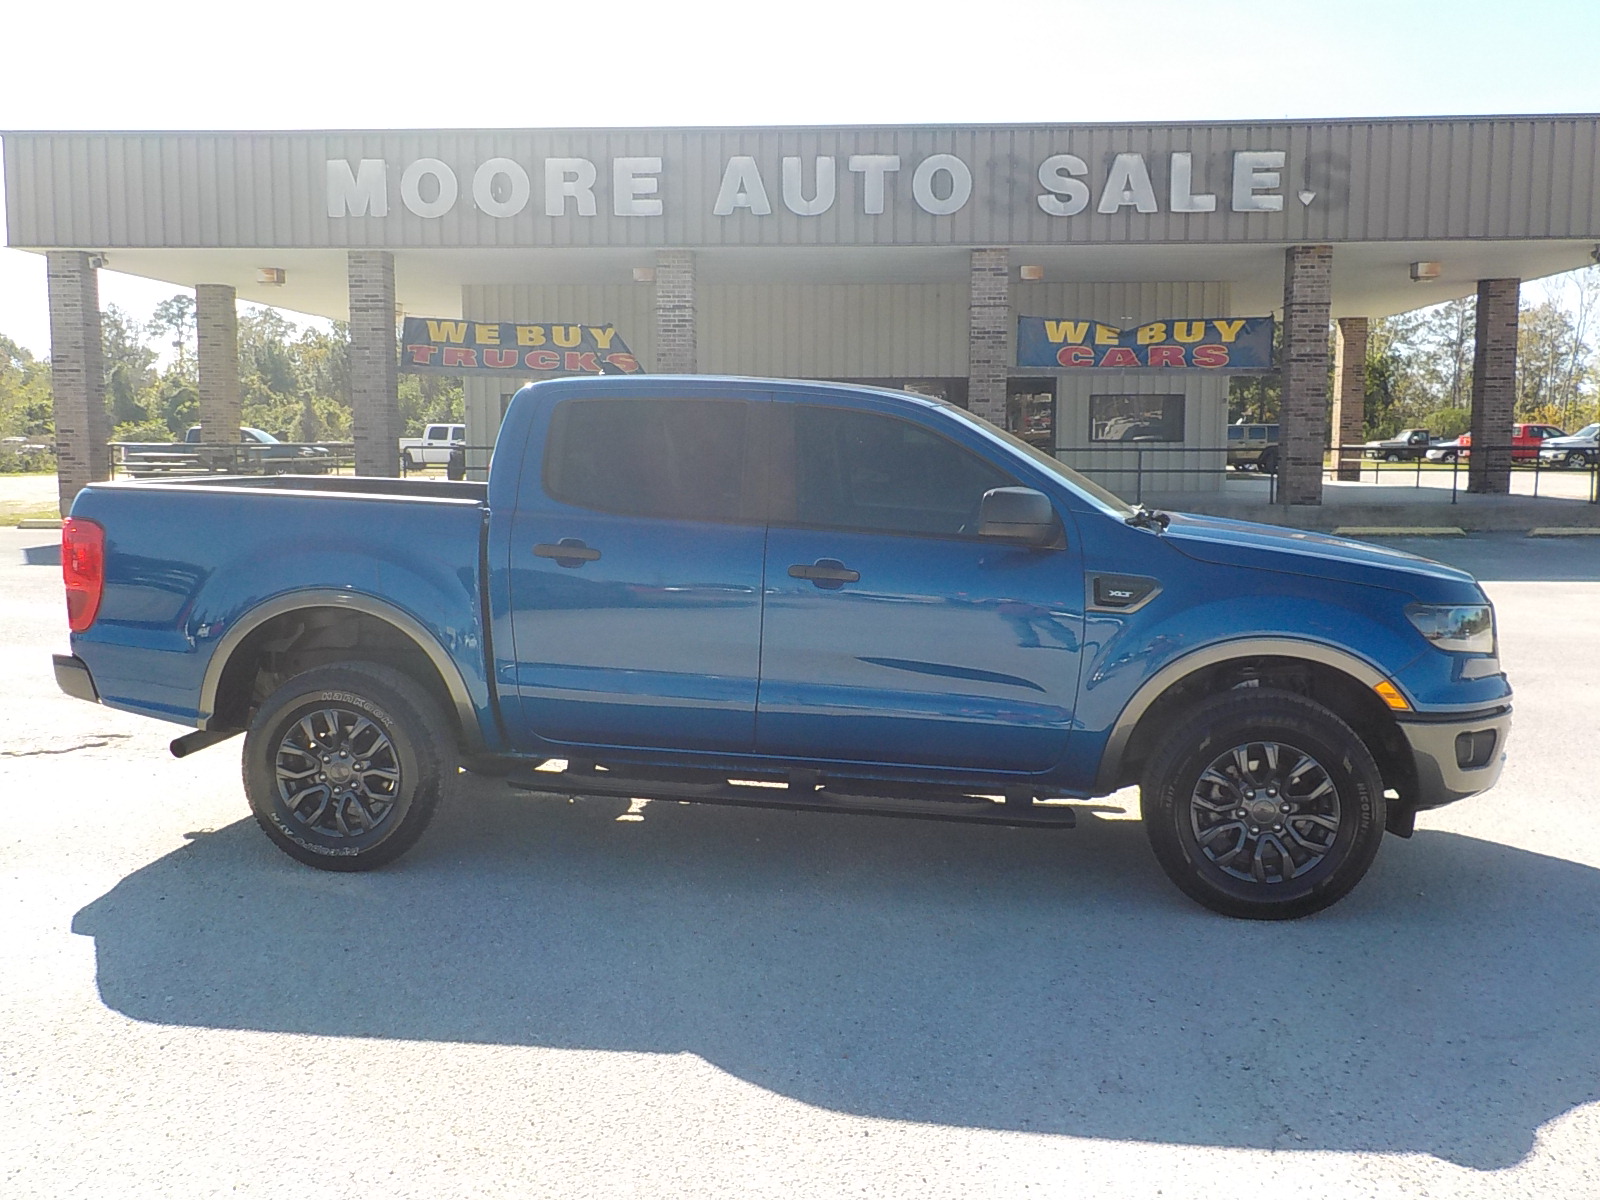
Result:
{"points": [[189, 560]]}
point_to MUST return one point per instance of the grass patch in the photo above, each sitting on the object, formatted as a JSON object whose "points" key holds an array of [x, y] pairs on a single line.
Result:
{"points": [[11, 514]]}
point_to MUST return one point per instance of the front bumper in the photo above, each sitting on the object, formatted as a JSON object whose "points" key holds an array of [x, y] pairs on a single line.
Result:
{"points": [[73, 678], [1456, 756]]}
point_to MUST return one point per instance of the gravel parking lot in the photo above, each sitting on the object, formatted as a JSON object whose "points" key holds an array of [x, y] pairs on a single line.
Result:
{"points": [[554, 998]]}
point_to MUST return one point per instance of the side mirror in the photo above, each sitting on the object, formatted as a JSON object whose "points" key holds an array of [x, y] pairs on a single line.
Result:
{"points": [[1017, 514]]}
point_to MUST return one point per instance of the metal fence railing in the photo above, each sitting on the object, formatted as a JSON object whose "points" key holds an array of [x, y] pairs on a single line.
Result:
{"points": [[1139, 467], [143, 460]]}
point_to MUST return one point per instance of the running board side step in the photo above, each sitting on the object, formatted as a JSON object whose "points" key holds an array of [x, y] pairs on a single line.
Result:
{"points": [[1016, 810]]}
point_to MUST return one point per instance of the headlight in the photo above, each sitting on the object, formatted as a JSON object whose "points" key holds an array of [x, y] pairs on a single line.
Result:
{"points": [[1465, 627]]}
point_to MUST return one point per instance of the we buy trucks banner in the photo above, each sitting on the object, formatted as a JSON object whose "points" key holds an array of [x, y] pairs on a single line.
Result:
{"points": [[430, 346], [1231, 344]]}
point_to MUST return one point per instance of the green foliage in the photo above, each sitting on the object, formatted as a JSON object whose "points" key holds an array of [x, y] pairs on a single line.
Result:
{"points": [[175, 320], [26, 410], [174, 400], [129, 365], [1447, 422], [425, 399], [141, 431]]}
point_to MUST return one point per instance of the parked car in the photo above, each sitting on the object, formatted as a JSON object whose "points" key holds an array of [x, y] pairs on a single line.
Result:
{"points": [[1526, 439], [1573, 450], [797, 595], [434, 447], [259, 452], [1406, 446], [1253, 447]]}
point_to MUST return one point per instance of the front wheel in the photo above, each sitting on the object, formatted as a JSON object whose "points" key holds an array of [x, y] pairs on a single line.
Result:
{"points": [[1264, 805], [344, 765], [1577, 459]]}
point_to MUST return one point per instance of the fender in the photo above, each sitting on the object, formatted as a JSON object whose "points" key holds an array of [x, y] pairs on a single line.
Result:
{"points": [[370, 606], [1205, 656]]}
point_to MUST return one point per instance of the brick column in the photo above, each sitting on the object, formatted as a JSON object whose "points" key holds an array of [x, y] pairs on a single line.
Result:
{"points": [[1494, 375], [77, 374], [1350, 392], [675, 312], [989, 334], [1303, 421], [374, 386], [217, 332]]}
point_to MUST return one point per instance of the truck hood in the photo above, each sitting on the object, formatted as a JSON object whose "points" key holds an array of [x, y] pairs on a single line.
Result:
{"points": [[1571, 442], [1255, 546]]}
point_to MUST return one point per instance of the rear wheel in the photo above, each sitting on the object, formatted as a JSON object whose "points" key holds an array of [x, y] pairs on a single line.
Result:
{"points": [[344, 765], [1264, 805]]}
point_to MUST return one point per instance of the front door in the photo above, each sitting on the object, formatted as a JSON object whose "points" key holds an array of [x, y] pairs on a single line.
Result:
{"points": [[893, 633], [636, 558]]}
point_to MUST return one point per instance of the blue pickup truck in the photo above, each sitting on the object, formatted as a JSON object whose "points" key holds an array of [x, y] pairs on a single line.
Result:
{"points": [[791, 594]]}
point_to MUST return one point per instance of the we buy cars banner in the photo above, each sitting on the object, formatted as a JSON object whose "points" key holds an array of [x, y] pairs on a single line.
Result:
{"points": [[1232, 344], [430, 346]]}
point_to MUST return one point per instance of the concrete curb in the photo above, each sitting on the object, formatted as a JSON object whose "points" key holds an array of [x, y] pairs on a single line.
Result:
{"points": [[40, 523], [1561, 531], [1360, 531]]}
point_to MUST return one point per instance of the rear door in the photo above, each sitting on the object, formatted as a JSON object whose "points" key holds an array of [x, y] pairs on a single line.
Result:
{"points": [[636, 561]]}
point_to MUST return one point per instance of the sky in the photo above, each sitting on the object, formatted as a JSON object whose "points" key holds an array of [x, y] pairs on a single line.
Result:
{"points": [[289, 64]]}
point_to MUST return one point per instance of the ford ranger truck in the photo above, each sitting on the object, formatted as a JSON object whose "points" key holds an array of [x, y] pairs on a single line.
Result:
{"points": [[797, 595]]}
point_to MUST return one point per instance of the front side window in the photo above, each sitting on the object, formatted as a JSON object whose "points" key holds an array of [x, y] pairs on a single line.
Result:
{"points": [[671, 458], [866, 471]]}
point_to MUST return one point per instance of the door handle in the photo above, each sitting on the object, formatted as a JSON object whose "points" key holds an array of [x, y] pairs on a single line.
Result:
{"points": [[568, 552], [825, 573]]}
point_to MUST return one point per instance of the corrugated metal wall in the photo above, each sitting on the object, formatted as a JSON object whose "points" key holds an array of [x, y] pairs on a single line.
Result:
{"points": [[833, 331], [1500, 177]]}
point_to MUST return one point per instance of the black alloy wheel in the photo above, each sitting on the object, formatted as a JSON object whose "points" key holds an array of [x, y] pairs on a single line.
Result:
{"points": [[344, 765], [1264, 805]]}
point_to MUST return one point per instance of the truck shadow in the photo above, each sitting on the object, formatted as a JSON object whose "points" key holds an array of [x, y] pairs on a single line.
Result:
{"points": [[1022, 980]]}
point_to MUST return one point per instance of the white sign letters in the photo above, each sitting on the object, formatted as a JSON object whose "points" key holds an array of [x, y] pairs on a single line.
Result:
{"points": [[1124, 183]]}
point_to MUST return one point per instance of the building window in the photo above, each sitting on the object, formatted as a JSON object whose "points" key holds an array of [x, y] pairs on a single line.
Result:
{"points": [[1136, 418], [1031, 411]]}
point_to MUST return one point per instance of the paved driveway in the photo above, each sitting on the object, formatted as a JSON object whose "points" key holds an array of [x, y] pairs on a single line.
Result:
{"points": [[550, 998]]}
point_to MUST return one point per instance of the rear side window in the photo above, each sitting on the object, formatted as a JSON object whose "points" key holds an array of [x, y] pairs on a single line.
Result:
{"points": [[682, 459], [866, 471]]}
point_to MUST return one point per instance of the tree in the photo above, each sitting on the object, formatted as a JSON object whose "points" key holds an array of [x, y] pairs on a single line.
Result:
{"points": [[26, 407], [1445, 343], [1547, 347], [1397, 390], [128, 365], [175, 318]]}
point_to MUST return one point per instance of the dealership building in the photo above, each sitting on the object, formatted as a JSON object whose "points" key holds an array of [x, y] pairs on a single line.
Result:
{"points": [[1093, 286]]}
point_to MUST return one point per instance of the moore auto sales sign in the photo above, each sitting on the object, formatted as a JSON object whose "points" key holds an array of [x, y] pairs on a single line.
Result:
{"points": [[938, 184], [1270, 182]]}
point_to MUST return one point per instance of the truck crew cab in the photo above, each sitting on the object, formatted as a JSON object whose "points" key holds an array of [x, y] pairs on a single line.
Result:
{"points": [[791, 594]]}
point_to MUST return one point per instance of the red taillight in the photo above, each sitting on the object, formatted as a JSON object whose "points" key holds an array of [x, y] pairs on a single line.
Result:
{"points": [[83, 568]]}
